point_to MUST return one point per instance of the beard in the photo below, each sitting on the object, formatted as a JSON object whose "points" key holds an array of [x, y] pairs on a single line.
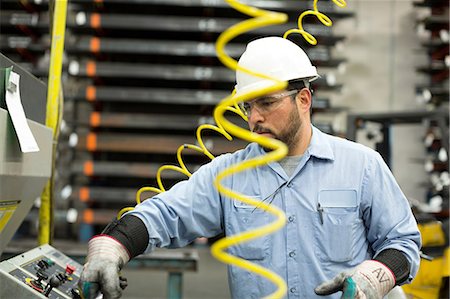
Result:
{"points": [[289, 134]]}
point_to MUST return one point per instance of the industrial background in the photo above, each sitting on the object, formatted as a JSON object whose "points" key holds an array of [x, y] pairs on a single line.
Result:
{"points": [[139, 76]]}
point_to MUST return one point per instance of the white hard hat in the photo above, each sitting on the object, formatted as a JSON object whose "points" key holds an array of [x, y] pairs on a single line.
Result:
{"points": [[275, 57]]}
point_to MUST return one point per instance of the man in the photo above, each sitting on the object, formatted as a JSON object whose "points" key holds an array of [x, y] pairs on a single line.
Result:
{"points": [[349, 224]]}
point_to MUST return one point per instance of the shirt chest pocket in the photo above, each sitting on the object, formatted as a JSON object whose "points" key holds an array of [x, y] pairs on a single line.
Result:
{"points": [[243, 218], [339, 221]]}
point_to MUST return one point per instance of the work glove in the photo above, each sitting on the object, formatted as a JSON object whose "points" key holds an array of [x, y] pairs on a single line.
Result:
{"points": [[105, 259], [369, 280]]}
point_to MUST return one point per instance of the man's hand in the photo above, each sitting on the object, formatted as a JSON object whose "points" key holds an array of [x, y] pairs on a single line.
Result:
{"points": [[370, 280], [106, 257]]}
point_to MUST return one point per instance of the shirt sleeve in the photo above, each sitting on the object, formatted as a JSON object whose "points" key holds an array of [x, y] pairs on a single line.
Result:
{"points": [[190, 209], [388, 216]]}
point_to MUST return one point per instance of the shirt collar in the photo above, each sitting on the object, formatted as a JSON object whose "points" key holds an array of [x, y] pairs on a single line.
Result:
{"points": [[320, 146]]}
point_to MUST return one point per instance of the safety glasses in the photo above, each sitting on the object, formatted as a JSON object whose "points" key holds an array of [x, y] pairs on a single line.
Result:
{"points": [[266, 104]]}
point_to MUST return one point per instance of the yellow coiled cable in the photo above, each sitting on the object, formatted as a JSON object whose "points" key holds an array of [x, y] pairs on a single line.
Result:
{"points": [[321, 16], [260, 18]]}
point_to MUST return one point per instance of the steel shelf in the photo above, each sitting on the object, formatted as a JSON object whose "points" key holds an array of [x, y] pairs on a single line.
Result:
{"points": [[287, 6], [436, 22], [149, 47], [156, 144], [156, 71], [84, 19], [33, 6], [438, 74], [149, 95], [434, 90], [88, 44], [167, 72], [118, 120], [431, 3], [153, 23], [91, 168], [436, 95], [38, 24], [435, 43], [319, 55], [104, 194], [141, 121], [19, 18], [14, 42]]}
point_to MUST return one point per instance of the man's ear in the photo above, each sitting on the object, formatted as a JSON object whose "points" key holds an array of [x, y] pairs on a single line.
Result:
{"points": [[304, 98]]}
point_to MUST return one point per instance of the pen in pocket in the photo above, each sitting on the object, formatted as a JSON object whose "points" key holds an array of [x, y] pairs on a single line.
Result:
{"points": [[320, 210]]}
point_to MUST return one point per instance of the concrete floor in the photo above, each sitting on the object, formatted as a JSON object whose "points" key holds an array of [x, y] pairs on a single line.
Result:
{"points": [[209, 282]]}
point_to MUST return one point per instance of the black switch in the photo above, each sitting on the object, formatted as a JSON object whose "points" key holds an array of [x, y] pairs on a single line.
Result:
{"points": [[75, 293]]}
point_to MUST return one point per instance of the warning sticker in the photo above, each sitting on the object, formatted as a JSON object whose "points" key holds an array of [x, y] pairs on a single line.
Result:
{"points": [[7, 209]]}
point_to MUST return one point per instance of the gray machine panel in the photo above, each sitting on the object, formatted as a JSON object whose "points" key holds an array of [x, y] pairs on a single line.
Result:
{"points": [[22, 175], [33, 92], [19, 276]]}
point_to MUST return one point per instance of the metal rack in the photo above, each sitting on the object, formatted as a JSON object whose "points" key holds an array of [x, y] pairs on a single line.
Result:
{"points": [[139, 77], [433, 91]]}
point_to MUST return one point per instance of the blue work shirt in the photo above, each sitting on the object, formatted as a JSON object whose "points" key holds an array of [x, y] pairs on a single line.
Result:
{"points": [[342, 204]]}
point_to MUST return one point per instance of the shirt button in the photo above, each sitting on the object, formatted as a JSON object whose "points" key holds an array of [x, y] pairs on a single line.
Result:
{"points": [[292, 253], [289, 185], [293, 290], [291, 218]]}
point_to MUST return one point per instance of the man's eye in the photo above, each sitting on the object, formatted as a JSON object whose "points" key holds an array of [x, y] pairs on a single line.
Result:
{"points": [[246, 106], [266, 102]]}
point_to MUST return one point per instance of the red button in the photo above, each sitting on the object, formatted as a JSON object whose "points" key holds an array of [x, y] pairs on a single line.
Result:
{"points": [[70, 269]]}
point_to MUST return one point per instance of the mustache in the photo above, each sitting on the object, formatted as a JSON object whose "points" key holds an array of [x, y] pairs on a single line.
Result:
{"points": [[260, 129]]}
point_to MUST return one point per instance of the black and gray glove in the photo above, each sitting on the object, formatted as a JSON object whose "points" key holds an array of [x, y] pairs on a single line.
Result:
{"points": [[106, 257]]}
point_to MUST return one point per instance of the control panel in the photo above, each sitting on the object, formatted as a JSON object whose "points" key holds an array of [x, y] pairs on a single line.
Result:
{"points": [[43, 272]]}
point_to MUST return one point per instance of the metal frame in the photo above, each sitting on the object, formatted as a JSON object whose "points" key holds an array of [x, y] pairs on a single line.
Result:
{"points": [[387, 119]]}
